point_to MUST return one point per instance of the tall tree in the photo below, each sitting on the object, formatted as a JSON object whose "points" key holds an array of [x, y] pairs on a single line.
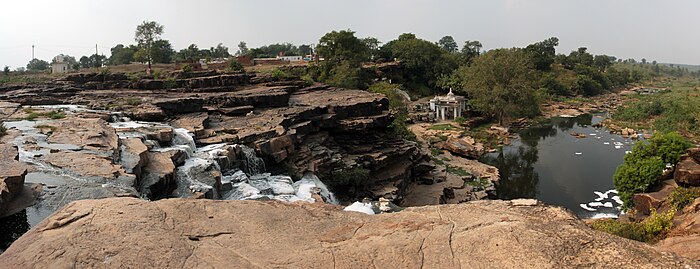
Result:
{"points": [[471, 49], [146, 35], [191, 53], [339, 46], [499, 84], [122, 54], [220, 51], [448, 43], [37, 65], [372, 46], [242, 49], [543, 53]]}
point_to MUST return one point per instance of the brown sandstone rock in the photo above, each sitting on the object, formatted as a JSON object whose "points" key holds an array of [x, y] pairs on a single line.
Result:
{"points": [[92, 134], [85, 164], [188, 233], [158, 178], [687, 172], [12, 174], [465, 147], [645, 202]]}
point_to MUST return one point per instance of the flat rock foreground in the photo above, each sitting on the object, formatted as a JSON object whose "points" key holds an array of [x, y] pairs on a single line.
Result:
{"points": [[191, 233]]}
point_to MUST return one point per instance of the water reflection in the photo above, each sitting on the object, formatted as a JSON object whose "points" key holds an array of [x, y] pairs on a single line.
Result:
{"points": [[549, 164], [12, 227]]}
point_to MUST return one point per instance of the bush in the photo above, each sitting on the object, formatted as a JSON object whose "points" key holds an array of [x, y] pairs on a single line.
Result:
{"points": [[187, 68], [681, 197], [651, 229], [235, 66], [3, 129], [350, 177], [643, 167]]}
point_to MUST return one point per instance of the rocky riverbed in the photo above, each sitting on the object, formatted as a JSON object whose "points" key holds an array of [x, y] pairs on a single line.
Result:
{"points": [[215, 135]]}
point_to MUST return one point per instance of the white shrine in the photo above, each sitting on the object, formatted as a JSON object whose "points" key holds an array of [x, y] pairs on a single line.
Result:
{"points": [[449, 106]]}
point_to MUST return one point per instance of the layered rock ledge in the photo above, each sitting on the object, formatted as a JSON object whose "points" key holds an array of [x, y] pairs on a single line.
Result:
{"points": [[189, 233]]}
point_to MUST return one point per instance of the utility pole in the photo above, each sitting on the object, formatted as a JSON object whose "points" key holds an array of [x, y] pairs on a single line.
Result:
{"points": [[33, 52], [95, 49]]}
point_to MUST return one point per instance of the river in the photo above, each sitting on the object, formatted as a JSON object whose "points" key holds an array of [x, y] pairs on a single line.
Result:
{"points": [[551, 165]]}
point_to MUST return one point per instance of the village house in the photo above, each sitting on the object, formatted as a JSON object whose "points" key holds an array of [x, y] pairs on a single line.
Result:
{"points": [[59, 65]]}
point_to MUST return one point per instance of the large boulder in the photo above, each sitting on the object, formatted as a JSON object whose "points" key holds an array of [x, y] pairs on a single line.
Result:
{"points": [[133, 155], [12, 174], [465, 147], [191, 233], [158, 177], [687, 172], [87, 133]]}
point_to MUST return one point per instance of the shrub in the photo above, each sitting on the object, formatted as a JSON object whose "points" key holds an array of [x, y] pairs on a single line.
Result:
{"points": [[650, 229], [187, 68], [32, 116], [56, 115], [350, 177], [681, 197], [643, 167], [3, 129], [235, 66]]}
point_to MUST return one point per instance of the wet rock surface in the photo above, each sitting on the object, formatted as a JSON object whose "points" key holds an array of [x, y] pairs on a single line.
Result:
{"points": [[485, 234]]}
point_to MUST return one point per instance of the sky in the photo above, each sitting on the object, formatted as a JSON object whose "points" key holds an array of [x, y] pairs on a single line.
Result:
{"points": [[664, 31]]}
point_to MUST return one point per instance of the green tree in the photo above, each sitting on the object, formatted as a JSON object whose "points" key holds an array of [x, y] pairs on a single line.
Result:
{"points": [[122, 54], [235, 66], [220, 51], [191, 53], [242, 49], [543, 53], [162, 52], [37, 65], [642, 168], [6, 70], [372, 45], [147, 33], [471, 49], [448, 43], [339, 46], [423, 62], [500, 84]]}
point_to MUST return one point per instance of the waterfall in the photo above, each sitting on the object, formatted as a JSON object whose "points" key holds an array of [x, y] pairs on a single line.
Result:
{"points": [[252, 164], [182, 137]]}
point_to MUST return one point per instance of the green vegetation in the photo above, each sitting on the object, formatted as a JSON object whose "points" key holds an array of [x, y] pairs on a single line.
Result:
{"points": [[147, 33], [133, 101], [642, 168], [677, 109], [500, 84], [38, 65], [444, 127], [681, 197], [350, 177], [479, 184], [649, 230], [235, 66], [397, 105], [457, 171]]}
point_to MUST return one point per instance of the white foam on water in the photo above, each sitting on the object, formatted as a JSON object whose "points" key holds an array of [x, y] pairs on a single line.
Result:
{"points": [[595, 204], [585, 206], [608, 204], [617, 199], [578, 153], [360, 207]]}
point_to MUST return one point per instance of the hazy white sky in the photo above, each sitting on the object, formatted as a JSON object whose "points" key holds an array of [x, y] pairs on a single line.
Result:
{"points": [[665, 31]]}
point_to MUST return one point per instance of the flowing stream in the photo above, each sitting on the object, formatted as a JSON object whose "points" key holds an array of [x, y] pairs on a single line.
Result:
{"points": [[212, 170]]}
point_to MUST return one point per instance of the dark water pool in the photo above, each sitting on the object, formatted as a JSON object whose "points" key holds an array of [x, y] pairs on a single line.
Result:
{"points": [[550, 164]]}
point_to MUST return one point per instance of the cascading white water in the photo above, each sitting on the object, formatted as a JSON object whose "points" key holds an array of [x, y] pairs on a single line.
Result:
{"points": [[182, 137]]}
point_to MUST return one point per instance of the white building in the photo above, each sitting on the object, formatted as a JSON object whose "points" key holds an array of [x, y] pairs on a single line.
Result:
{"points": [[59, 65], [290, 58], [449, 106]]}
